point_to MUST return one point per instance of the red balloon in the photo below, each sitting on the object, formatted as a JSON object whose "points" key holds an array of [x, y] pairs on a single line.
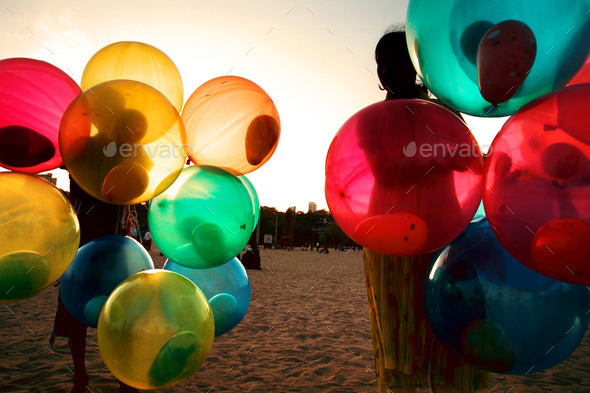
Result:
{"points": [[583, 74], [563, 242], [505, 56], [403, 177], [33, 97], [537, 185]]}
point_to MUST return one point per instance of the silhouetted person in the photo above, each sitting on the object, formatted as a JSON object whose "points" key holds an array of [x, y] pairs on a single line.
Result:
{"points": [[96, 219]]}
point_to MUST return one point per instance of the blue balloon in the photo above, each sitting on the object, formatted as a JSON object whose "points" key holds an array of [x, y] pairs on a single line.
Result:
{"points": [[99, 266], [497, 314], [226, 287]]}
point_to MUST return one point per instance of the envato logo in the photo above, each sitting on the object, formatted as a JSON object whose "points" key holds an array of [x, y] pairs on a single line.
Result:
{"points": [[127, 150], [464, 150]]}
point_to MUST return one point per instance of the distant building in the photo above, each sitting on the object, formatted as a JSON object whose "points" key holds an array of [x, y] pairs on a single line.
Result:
{"points": [[293, 209], [313, 207]]}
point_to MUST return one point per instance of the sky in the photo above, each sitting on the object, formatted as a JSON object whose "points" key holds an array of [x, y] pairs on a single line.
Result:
{"points": [[315, 59]]}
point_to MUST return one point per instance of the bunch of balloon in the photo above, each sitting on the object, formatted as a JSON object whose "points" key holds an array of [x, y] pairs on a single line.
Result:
{"points": [[39, 230], [497, 314], [396, 172], [491, 59], [122, 139], [233, 128]]}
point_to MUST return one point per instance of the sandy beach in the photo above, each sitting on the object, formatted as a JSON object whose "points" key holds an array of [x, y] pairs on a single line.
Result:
{"points": [[307, 330]]}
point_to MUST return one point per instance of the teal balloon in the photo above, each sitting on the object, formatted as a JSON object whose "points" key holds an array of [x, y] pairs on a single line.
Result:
{"points": [[480, 213], [443, 37], [99, 266], [204, 219], [254, 195], [226, 287], [497, 314]]}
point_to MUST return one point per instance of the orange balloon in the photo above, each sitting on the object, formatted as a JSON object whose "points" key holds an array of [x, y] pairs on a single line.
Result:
{"points": [[231, 123], [135, 61]]}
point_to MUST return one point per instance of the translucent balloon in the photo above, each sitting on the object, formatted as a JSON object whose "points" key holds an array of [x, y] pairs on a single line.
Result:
{"points": [[232, 124], [444, 36], [226, 287], [33, 97], [203, 220], [254, 195], [538, 176], [135, 61], [497, 314], [123, 142], [155, 330], [397, 170], [40, 235], [99, 266]]}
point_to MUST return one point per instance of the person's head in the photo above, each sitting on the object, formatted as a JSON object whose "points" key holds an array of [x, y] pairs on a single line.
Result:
{"points": [[394, 66]]}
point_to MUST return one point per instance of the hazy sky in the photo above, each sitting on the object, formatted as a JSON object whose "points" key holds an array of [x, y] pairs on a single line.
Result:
{"points": [[314, 58]]}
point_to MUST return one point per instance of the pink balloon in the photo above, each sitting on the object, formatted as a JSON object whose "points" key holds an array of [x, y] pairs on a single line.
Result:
{"points": [[537, 185], [33, 97], [403, 177]]}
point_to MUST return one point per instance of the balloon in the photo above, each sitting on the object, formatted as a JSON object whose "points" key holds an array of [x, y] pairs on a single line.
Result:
{"points": [[135, 61], [204, 219], [497, 314], [536, 177], [254, 195], [33, 97], [583, 74], [40, 235], [226, 287], [155, 330], [505, 56], [123, 142], [231, 123], [443, 37], [100, 265], [397, 170]]}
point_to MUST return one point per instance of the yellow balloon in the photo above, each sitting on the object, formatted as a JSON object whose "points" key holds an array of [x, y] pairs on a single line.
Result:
{"points": [[123, 142], [155, 330], [135, 61], [231, 123], [40, 235]]}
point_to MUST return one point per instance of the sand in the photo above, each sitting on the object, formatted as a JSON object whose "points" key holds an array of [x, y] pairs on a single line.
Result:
{"points": [[307, 330]]}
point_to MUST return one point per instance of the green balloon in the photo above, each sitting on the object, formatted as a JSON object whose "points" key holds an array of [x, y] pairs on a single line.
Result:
{"points": [[205, 218]]}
